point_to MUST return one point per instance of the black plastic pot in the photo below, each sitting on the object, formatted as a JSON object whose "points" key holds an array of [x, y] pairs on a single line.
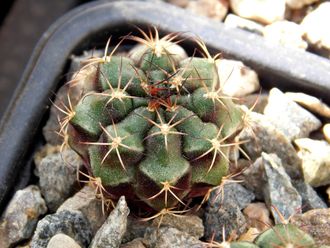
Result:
{"points": [[90, 25]]}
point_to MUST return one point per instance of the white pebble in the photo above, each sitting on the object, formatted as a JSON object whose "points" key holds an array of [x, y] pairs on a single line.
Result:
{"points": [[285, 33], [235, 21], [316, 26], [236, 79], [61, 240], [298, 4], [264, 11]]}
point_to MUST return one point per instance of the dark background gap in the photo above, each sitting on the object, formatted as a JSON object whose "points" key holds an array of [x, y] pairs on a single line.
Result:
{"points": [[22, 22]]}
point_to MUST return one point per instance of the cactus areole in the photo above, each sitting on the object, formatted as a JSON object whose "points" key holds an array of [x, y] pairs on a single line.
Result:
{"points": [[154, 125]]}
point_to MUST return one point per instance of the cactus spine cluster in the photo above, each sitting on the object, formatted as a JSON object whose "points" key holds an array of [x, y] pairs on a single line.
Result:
{"points": [[154, 125]]}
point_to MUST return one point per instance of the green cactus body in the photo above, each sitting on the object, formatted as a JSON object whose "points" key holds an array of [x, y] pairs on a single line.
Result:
{"points": [[286, 236], [243, 244], [155, 127], [235, 244]]}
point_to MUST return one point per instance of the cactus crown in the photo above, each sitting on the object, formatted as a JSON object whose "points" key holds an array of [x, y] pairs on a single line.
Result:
{"points": [[154, 125]]}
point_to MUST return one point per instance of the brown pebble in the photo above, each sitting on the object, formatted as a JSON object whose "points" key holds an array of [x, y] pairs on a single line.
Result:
{"points": [[258, 216], [315, 222]]}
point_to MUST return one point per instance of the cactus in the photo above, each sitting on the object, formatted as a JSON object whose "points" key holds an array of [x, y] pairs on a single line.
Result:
{"points": [[153, 126], [242, 244], [238, 244], [284, 235]]}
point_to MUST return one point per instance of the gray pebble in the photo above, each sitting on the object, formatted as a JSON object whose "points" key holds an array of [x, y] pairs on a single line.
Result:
{"points": [[253, 178], [112, 231], [21, 215], [190, 224], [310, 199], [236, 193], [136, 243], [170, 237], [278, 190], [70, 223], [58, 178], [290, 118], [86, 202], [41, 153], [264, 137], [227, 215], [256, 102], [135, 229]]}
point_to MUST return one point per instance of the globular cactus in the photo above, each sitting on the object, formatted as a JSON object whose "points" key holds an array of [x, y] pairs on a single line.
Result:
{"points": [[237, 244], [278, 236], [242, 244], [153, 126], [286, 236]]}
